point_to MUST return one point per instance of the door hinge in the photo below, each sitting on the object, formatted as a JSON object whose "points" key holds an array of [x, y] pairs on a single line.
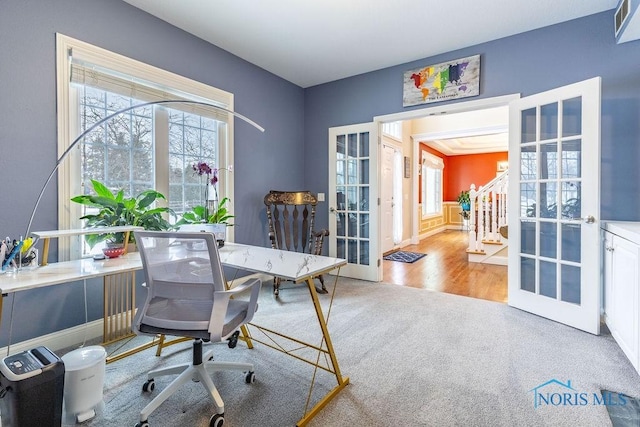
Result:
{"points": [[378, 201], [378, 262]]}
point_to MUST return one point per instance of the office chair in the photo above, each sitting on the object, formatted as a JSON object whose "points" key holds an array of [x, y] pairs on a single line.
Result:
{"points": [[187, 297], [290, 218]]}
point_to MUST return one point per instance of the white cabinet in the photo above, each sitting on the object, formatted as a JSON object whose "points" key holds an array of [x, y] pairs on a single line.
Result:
{"points": [[621, 242]]}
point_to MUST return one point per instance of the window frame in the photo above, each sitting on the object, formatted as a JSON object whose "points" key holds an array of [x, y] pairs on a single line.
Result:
{"points": [[430, 161], [69, 127]]}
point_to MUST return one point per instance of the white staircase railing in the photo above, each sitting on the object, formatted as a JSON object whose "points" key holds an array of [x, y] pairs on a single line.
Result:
{"points": [[488, 213]]}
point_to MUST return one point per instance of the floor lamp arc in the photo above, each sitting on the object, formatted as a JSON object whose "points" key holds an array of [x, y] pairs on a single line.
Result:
{"points": [[110, 116]]}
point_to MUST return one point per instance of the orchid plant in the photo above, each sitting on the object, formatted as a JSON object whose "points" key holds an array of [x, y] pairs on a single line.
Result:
{"points": [[201, 214]]}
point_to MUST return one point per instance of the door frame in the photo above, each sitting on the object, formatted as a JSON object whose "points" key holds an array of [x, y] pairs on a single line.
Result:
{"points": [[458, 107]]}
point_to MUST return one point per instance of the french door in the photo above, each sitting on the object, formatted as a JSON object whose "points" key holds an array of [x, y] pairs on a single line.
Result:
{"points": [[354, 200], [387, 196], [554, 205]]}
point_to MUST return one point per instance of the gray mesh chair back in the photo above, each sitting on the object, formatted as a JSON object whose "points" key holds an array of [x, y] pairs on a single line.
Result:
{"points": [[187, 296]]}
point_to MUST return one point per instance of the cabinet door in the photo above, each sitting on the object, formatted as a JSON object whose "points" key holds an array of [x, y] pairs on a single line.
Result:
{"points": [[624, 296], [607, 295]]}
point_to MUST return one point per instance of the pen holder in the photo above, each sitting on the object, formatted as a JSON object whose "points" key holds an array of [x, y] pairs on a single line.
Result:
{"points": [[17, 254]]}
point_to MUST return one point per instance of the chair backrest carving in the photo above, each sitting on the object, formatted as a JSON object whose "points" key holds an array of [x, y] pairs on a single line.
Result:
{"points": [[290, 217]]}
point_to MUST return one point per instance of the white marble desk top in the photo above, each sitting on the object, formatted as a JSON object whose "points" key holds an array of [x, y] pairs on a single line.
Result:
{"points": [[65, 272], [294, 266], [289, 265]]}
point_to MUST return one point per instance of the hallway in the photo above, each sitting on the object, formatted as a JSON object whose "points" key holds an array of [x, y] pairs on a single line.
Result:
{"points": [[445, 269]]}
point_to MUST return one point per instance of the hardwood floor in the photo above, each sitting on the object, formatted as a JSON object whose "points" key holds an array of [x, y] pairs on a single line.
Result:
{"points": [[445, 269]]}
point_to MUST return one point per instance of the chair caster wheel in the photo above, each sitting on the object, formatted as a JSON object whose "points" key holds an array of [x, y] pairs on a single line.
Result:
{"points": [[148, 387], [217, 420], [250, 378], [142, 424], [233, 339]]}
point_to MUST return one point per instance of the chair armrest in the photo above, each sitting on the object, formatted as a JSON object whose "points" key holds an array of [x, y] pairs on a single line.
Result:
{"points": [[255, 285], [221, 303]]}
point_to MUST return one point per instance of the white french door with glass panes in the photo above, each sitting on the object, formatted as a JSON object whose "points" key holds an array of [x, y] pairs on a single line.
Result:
{"points": [[554, 205], [354, 221], [387, 208]]}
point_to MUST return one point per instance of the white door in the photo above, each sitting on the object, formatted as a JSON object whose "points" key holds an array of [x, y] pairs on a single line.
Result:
{"points": [[554, 204], [386, 192], [354, 201]]}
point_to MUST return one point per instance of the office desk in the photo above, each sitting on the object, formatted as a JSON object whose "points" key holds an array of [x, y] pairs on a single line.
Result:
{"points": [[300, 268], [288, 265]]}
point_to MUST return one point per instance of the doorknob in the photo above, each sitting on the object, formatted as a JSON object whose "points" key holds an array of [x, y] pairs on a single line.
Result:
{"points": [[332, 210], [589, 219]]}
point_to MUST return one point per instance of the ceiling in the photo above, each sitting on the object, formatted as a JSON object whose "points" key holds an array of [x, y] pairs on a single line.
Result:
{"points": [[314, 42], [490, 143]]}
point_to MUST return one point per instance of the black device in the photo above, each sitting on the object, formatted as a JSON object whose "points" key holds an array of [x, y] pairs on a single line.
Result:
{"points": [[31, 389]]}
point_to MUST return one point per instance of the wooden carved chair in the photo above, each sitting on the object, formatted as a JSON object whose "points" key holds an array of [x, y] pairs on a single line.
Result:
{"points": [[290, 217]]}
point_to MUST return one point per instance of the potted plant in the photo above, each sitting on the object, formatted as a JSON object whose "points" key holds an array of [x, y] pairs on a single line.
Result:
{"points": [[201, 219], [200, 215], [211, 216], [116, 210], [464, 201]]}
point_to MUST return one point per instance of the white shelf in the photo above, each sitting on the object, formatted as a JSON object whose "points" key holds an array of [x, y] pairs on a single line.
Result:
{"points": [[54, 234]]}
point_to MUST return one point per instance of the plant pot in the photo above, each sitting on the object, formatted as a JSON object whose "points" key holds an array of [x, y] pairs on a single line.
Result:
{"points": [[466, 206], [219, 230]]}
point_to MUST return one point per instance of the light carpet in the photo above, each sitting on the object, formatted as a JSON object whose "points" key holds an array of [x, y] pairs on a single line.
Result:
{"points": [[414, 358]]}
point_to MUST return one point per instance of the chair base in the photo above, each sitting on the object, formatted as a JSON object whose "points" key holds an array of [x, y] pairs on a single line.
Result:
{"points": [[196, 371]]}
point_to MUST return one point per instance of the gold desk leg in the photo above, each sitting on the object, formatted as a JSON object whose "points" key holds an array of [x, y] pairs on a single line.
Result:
{"points": [[342, 382], [119, 292], [111, 359], [244, 336], [45, 252]]}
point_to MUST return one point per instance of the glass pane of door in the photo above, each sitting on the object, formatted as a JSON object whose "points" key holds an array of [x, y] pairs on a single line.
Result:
{"points": [[553, 203], [352, 172], [551, 254], [353, 200]]}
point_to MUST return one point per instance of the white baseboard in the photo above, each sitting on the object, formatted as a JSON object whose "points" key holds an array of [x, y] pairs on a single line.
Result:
{"points": [[60, 339], [432, 232]]}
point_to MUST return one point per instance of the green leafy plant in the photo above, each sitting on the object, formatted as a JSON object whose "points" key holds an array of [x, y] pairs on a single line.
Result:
{"points": [[116, 210], [464, 200], [201, 215]]}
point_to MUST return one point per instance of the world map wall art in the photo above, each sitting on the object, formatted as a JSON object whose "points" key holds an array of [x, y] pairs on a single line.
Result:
{"points": [[442, 82]]}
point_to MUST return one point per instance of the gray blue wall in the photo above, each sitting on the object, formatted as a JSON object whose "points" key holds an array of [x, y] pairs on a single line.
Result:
{"points": [[527, 63], [28, 146], [296, 120]]}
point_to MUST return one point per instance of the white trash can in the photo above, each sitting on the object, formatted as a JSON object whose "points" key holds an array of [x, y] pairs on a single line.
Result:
{"points": [[84, 382]]}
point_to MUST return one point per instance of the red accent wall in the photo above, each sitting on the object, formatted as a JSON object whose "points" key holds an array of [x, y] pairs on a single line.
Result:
{"points": [[462, 171], [469, 169]]}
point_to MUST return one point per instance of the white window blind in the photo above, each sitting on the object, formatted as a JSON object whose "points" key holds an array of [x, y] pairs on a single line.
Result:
{"points": [[129, 86]]}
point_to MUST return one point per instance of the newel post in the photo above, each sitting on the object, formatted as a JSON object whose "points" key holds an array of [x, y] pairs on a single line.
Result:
{"points": [[473, 195]]}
